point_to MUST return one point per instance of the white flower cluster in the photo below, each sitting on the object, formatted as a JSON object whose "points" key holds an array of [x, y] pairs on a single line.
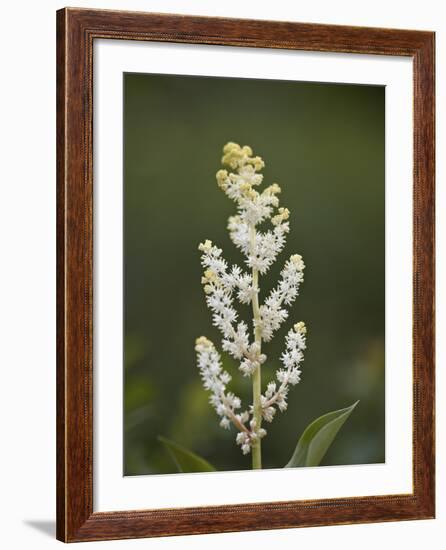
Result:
{"points": [[215, 380], [272, 312], [289, 375], [222, 283], [267, 244], [219, 286]]}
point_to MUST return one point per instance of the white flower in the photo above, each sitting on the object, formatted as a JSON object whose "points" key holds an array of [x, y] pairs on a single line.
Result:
{"points": [[268, 413], [225, 423], [246, 448]]}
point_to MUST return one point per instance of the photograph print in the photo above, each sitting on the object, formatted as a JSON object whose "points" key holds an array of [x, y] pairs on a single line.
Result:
{"points": [[254, 274]]}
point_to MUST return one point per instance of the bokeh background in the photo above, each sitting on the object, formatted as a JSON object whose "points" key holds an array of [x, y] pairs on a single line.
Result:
{"points": [[324, 144]]}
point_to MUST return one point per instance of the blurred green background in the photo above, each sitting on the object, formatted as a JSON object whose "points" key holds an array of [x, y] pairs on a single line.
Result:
{"points": [[324, 145]]}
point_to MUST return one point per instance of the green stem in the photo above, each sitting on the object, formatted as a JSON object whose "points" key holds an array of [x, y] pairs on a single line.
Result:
{"points": [[257, 375]]}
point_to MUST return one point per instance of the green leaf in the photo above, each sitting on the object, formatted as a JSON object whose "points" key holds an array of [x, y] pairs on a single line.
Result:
{"points": [[185, 460], [317, 438]]}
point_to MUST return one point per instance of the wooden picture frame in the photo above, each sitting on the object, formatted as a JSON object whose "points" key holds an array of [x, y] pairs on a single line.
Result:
{"points": [[77, 29]]}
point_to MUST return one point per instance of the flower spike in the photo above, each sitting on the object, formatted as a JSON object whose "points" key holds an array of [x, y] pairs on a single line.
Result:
{"points": [[240, 181]]}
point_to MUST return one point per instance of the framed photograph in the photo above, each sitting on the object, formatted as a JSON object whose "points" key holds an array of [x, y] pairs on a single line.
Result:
{"points": [[245, 275]]}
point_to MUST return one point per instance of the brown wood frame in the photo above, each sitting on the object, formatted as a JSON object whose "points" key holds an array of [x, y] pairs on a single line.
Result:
{"points": [[76, 31]]}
